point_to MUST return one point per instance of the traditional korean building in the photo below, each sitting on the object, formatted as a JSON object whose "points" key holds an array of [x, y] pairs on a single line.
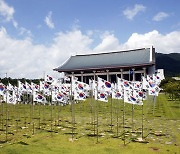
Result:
{"points": [[129, 65]]}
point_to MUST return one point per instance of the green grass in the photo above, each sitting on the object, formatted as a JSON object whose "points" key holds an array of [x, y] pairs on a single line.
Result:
{"points": [[161, 130]]}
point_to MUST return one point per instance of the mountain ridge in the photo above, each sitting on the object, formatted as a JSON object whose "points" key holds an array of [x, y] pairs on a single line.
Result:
{"points": [[169, 62]]}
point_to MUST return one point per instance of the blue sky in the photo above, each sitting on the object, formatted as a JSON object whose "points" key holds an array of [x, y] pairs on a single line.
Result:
{"points": [[102, 15], [36, 30]]}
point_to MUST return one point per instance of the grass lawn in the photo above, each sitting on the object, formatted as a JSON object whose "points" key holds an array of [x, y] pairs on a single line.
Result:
{"points": [[47, 129]]}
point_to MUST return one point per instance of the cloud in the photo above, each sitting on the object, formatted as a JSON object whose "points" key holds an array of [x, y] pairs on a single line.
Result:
{"points": [[6, 11], [15, 24], [167, 43], [130, 13], [21, 58], [23, 31], [160, 16], [109, 42], [48, 20]]}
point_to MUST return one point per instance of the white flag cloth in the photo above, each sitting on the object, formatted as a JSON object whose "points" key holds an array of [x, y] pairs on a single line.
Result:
{"points": [[80, 90], [154, 91], [104, 85], [41, 85], [145, 83], [73, 80], [78, 86], [45, 88], [92, 86], [49, 79], [9, 98], [79, 95], [21, 87], [137, 85], [120, 84], [117, 94], [35, 87], [65, 89], [156, 79], [10, 87], [55, 88], [101, 96], [127, 85], [149, 77], [2, 89], [153, 82], [132, 98], [58, 97], [16, 95], [37, 97], [28, 88], [138, 94], [66, 78]]}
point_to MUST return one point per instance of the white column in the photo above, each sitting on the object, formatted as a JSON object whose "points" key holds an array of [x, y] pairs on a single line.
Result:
{"points": [[107, 75], [121, 73], [82, 76], [134, 75], [94, 75], [72, 75], [116, 78], [144, 68]]}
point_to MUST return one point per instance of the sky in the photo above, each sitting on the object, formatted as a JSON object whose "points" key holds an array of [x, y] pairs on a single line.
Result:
{"points": [[37, 36]]}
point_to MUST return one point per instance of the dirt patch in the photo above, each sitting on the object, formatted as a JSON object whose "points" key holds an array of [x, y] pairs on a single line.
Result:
{"points": [[154, 148]]}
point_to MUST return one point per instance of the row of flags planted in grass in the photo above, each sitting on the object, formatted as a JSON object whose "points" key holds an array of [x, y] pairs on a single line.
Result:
{"points": [[133, 92]]}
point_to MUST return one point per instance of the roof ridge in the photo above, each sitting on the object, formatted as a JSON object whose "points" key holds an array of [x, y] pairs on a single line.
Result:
{"points": [[110, 52]]}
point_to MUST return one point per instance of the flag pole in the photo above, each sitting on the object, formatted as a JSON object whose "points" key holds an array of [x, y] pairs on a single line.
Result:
{"points": [[111, 113], [91, 103], [59, 104], [39, 115], [132, 117], [6, 111], [94, 102], [154, 102], [94, 114], [72, 137], [44, 107], [124, 122], [25, 106], [132, 104], [30, 104], [142, 121], [17, 110], [97, 117], [51, 111], [2, 109], [118, 103], [33, 113], [72, 108], [55, 106]]}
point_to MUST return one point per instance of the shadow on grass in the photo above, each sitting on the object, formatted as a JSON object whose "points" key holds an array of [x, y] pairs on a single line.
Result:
{"points": [[22, 143], [175, 107], [2, 142]]}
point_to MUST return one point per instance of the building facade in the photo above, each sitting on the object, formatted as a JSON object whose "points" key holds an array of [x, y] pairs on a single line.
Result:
{"points": [[129, 65]]}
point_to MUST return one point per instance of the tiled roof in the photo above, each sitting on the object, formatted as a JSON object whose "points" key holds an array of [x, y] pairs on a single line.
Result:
{"points": [[107, 60]]}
